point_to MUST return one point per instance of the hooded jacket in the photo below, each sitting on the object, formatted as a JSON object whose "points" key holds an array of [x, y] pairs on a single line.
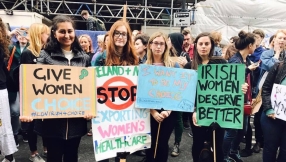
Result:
{"points": [[177, 40]]}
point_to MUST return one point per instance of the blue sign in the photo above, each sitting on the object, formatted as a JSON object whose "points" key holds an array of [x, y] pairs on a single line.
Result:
{"points": [[168, 88]]}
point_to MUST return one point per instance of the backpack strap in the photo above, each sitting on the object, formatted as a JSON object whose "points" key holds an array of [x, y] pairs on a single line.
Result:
{"points": [[11, 59]]}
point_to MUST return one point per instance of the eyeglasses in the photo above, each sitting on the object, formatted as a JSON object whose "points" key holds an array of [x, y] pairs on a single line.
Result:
{"points": [[158, 43], [118, 34]]}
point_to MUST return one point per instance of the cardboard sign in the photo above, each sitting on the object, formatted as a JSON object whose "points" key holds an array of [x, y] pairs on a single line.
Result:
{"points": [[48, 91], [219, 95], [119, 126], [167, 88], [278, 101]]}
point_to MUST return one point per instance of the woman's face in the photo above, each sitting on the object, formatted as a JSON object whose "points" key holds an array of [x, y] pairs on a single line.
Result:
{"points": [[252, 47], [140, 48], [280, 39], [44, 37], [84, 43], [120, 36], [65, 34], [204, 46], [158, 46]]}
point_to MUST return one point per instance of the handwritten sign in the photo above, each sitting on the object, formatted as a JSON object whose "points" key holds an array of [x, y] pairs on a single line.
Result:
{"points": [[119, 126], [219, 95], [278, 101], [48, 91], [168, 88]]}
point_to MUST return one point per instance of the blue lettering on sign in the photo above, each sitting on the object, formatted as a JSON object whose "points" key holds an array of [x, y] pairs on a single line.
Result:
{"points": [[62, 104], [120, 116]]}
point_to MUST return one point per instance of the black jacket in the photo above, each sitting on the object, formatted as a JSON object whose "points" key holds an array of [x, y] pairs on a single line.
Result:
{"points": [[275, 75], [3, 70], [62, 128], [27, 57]]}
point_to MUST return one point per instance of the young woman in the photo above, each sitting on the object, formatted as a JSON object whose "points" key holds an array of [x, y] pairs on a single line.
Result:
{"points": [[272, 56], [141, 41], [120, 49], [86, 44], [203, 54], [63, 135], [246, 44], [159, 55], [38, 35], [274, 130], [7, 142]]}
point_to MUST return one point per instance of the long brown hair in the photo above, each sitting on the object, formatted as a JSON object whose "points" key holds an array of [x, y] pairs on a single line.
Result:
{"points": [[4, 39], [197, 60], [128, 56]]}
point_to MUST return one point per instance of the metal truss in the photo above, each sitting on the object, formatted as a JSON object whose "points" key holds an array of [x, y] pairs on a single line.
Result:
{"points": [[147, 14]]}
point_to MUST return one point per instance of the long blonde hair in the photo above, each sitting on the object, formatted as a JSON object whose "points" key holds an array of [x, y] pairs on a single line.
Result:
{"points": [[35, 34], [166, 59]]}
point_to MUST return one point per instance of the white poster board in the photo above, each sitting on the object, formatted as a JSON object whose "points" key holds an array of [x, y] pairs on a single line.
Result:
{"points": [[278, 101], [119, 126]]}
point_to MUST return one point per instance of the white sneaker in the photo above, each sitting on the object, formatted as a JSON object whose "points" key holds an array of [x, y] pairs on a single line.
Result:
{"points": [[5, 160], [36, 158]]}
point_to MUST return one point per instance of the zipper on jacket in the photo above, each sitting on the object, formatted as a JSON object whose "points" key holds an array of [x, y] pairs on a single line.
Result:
{"points": [[69, 62]]}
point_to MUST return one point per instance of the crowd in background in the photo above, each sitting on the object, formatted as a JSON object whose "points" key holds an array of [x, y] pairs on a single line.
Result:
{"points": [[58, 45]]}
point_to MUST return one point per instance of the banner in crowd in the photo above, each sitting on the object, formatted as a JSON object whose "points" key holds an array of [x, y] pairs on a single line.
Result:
{"points": [[48, 91], [219, 95], [167, 88], [278, 101], [119, 126]]}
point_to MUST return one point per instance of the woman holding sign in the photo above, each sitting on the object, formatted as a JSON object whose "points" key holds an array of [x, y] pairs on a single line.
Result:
{"points": [[246, 44], [162, 122], [120, 51], [63, 135], [203, 136], [38, 35], [272, 123]]}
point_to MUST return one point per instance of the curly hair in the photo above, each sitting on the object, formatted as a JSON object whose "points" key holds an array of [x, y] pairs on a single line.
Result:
{"points": [[4, 39]]}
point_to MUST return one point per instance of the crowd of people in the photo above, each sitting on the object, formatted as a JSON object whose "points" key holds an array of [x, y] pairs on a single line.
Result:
{"points": [[59, 45]]}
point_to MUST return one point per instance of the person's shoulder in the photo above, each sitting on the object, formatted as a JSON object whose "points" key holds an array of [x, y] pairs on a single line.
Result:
{"points": [[90, 18], [268, 52], [26, 52]]}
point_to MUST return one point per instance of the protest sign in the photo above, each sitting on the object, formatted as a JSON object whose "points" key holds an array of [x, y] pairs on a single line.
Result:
{"points": [[49, 91], [278, 101], [219, 95], [167, 88], [119, 126]]}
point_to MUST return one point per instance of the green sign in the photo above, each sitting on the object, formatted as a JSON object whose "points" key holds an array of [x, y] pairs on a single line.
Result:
{"points": [[219, 95]]}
